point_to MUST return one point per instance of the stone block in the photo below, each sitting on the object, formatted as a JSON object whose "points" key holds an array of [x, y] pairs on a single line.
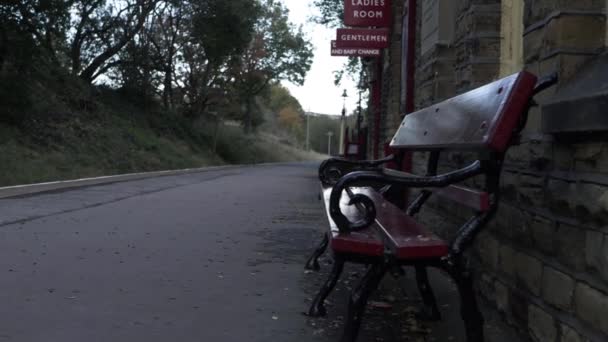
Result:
{"points": [[549, 65], [518, 306], [594, 249], [502, 296], [486, 287], [570, 242], [592, 306], [589, 152], [487, 48], [604, 261], [537, 10], [591, 157], [506, 260], [529, 272], [570, 65], [575, 32], [518, 155], [533, 42], [531, 191], [570, 335], [488, 250], [543, 232], [541, 325], [561, 197], [521, 224], [508, 185], [558, 288], [562, 157], [503, 219], [592, 204]]}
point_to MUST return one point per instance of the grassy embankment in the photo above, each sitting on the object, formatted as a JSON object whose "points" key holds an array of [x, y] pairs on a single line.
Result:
{"points": [[113, 136]]}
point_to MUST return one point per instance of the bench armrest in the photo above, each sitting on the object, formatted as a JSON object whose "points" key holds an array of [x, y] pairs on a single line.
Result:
{"points": [[388, 177], [332, 169]]}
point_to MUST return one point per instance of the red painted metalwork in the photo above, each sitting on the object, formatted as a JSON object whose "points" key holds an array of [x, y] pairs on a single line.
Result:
{"points": [[516, 103], [409, 239], [376, 100], [409, 55], [484, 118]]}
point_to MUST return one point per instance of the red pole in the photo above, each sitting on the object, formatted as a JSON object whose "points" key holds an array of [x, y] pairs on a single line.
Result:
{"points": [[376, 99], [410, 56], [410, 71]]}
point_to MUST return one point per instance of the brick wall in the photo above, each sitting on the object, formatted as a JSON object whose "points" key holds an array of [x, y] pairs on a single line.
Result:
{"points": [[544, 259]]}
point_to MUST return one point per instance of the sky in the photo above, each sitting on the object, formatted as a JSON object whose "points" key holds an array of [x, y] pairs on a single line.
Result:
{"points": [[319, 94]]}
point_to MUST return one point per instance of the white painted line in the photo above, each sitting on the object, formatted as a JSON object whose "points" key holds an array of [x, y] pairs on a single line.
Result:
{"points": [[20, 190]]}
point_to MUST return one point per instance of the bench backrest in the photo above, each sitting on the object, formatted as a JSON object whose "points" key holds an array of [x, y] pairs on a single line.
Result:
{"points": [[481, 119]]}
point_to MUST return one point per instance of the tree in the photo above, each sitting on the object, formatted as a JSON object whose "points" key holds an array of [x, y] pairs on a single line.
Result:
{"points": [[278, 51], [102, 28], [290, 118], [220, 31], [46, 21], [167, 34], [279, 98], [331, 12]]}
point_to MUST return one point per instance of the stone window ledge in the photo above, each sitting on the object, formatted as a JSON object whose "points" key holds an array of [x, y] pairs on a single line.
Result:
{"points": [[580, 105]]}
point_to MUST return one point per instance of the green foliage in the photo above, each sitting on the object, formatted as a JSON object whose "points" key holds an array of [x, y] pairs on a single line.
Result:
{"points": [[90, 87], [224, 28], [320, 125], [331, 12], [279, 98], [278, 51]]}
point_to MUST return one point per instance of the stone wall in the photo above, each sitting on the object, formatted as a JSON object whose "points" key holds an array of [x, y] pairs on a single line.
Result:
{"points": [[545, 256], [543, 262]]}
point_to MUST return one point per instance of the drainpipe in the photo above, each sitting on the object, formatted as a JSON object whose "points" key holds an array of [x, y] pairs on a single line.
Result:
{"points": [[410, 56]]}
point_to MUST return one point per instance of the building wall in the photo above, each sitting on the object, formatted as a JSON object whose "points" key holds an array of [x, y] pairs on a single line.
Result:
{"points": [[543, 261]]}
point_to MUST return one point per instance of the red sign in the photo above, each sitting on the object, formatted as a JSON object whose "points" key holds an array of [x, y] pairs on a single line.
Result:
{"points": [[363, 38], [367, 13], [353, 52]]}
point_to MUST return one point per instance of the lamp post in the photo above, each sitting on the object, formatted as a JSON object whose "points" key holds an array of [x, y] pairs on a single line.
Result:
{"points": [[359, 111], [343, 123], [307, 130]]}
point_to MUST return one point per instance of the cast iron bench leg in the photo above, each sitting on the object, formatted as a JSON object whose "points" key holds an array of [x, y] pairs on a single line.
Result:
{"points": [[313, 261], [471, 315], [430, 311], [358, 300], [317, 308]]}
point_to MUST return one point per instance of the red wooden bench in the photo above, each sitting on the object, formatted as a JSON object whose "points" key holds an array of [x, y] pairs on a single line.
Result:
{"points": [[366, 227]]}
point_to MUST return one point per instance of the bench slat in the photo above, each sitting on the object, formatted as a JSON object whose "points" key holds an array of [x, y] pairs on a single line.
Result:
{"points": [[476, 200], [407, 238], [484, 118], [472, 198]]}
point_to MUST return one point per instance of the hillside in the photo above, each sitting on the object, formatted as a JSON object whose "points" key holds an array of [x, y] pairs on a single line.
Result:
{"points": [[113, 135]]}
